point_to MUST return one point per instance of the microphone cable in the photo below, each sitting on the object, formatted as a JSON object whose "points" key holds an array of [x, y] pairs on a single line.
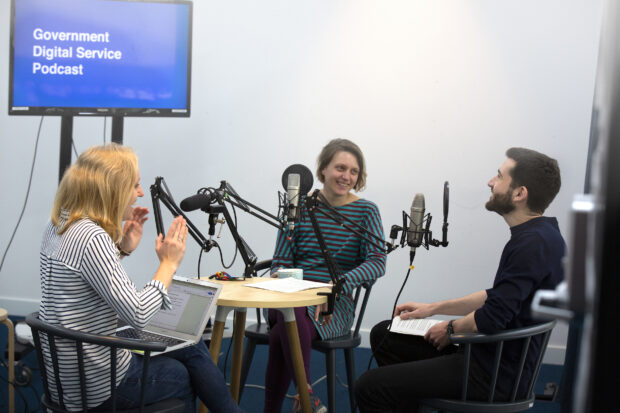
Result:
{"points": [[211, 190], [372, 355], [34, 157]]}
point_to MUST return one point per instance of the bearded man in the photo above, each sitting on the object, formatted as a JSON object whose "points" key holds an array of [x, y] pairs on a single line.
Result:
{"points": [[412, 368]]}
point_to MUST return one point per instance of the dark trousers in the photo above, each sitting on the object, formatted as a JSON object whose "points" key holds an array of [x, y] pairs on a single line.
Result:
{"points": [[181, 374], [409, 370]]}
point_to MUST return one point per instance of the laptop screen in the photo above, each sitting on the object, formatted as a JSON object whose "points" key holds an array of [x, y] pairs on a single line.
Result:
{"points": [[190, 302]]}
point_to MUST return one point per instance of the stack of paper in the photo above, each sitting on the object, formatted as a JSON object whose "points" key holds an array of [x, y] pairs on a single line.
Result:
{"points": [[288, 285], [413, 326]]}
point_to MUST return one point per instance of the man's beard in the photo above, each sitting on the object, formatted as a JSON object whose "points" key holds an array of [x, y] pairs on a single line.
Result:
{"points": [[501, 203]]}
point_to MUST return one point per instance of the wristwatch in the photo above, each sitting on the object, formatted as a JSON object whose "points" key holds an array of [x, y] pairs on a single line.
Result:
{"points": [[450, 328]]}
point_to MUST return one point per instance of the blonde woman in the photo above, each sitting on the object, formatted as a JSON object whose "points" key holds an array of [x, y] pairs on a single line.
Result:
{"points": [[84, 286]]}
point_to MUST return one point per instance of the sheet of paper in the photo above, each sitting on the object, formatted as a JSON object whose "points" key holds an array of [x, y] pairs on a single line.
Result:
{"points": [[288, 285], [413, 326]]}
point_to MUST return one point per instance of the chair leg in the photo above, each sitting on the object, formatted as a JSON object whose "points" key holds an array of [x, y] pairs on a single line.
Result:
{"points": [[330, 359], [246, 362], [349, 358]]}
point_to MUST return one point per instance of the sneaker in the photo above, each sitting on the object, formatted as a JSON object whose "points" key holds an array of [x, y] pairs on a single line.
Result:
{"points": [[315, 404]]}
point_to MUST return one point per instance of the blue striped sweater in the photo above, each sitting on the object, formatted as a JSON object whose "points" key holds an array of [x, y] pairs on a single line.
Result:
{"points": [[358, 260]]}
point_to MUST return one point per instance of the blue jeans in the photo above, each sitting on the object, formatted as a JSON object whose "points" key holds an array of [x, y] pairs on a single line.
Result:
{"points": [[182, 374]]}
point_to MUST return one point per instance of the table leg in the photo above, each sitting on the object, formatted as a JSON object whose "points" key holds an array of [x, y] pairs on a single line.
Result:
{"points": [[298, 361], [238, 337], [217, 332], [11, 350]]}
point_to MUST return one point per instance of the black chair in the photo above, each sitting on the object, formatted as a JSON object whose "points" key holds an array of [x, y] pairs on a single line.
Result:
{"points": [[516, 403], [258, 334], [52, 333]]}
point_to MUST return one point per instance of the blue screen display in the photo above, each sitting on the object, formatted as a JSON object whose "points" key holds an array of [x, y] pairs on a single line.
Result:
{"points": [[101, 54]]}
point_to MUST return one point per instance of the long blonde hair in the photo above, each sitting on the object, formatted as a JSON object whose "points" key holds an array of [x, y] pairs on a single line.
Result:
{"points": [[97, 186]]}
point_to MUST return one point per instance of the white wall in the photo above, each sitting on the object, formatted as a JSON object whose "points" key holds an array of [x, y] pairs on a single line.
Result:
{"points": [[431, 91]]}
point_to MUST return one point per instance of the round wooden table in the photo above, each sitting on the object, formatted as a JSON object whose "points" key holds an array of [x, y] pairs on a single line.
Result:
{"points": [[237, 296]]}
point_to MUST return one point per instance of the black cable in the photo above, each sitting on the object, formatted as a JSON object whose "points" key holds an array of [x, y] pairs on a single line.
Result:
{"points": [[29, 386], [236, 249], [75, 152], [34, 157], [211, 190], [15, 387], [372, 355], [222, 257], [229, 345], [37, 397], [199, 258]]}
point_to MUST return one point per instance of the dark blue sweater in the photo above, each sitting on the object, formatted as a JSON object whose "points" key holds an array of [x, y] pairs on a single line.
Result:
{"points": [[531, 260]]}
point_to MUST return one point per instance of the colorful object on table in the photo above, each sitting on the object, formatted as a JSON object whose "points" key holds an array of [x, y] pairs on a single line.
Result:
{"points": [[224, 276]]}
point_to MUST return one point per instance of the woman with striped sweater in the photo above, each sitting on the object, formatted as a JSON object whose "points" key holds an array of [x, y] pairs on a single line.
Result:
{"points": [[341, 169], [85, 287]]}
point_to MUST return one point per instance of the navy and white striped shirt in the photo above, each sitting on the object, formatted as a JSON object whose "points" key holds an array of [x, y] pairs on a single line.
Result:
{"points": [[84, 287], [359, 260]]}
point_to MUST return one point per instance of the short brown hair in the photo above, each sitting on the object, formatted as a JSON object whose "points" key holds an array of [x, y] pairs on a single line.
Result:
{"points": [[97, 186], [337, 145], [537, 172]]}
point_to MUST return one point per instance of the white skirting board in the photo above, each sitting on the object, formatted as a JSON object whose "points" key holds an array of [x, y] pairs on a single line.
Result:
{"points": [[21, 307]]}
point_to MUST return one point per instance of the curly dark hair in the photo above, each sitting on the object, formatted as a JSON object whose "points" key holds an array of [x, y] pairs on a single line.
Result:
{"points": [[537, 172]]}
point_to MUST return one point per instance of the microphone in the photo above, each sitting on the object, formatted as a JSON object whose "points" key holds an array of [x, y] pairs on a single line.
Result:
{"points": [[415, 232], [198, 201], [297, 180], [292, 192]]}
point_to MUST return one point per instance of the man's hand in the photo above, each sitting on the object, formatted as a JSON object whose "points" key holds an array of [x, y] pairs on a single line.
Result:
{"points": [[413, 310], [132, 230], [437, 336]]}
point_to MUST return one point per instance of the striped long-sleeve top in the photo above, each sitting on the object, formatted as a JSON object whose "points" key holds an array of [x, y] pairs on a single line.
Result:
{"points": [[359, 260], [84, 287]]}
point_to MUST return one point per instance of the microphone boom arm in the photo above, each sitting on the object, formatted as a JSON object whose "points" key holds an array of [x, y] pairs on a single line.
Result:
{"points": [[226, 194], [161, 193], [335, 272], [236, 200], [247, 255]]}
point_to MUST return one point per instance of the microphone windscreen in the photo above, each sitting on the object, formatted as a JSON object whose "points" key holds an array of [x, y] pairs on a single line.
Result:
{"points": [[305, 175], [194, 202]]}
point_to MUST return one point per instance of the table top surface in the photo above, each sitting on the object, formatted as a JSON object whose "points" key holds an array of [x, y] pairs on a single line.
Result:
{"points": [[237, 294]]}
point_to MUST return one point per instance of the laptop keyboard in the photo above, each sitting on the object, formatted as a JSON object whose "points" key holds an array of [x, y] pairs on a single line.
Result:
{"points": [[145, 335]]}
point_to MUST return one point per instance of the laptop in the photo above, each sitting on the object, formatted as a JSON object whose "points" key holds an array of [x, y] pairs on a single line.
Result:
{"points": [[193, 302]]}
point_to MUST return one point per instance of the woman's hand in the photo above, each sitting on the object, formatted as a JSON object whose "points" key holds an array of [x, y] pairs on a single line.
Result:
{"points": [[170, 250], [275, 273], [132, 230], [317, 314]]}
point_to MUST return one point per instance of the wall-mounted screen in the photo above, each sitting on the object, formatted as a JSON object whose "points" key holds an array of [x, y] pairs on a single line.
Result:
{"points": [[100, 57]]}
